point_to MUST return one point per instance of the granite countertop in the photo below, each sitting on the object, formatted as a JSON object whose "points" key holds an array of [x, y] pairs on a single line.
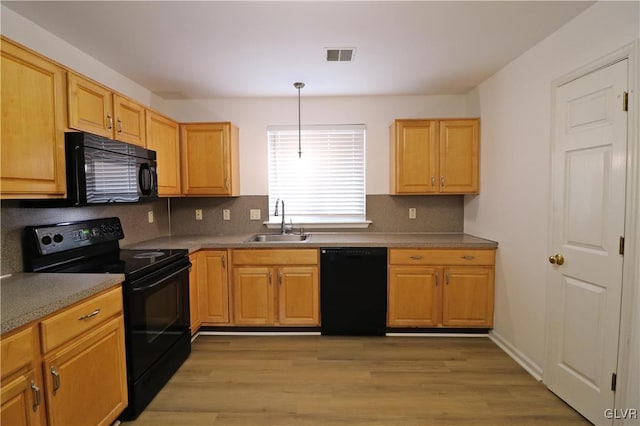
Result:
{"points": [[27, 297], [322, 239]]}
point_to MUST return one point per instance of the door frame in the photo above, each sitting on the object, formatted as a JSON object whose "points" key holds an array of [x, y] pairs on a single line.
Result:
{"points": [[631, 263]]}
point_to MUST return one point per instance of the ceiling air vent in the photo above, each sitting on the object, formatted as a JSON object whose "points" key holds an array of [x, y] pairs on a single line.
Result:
{"points": [[343, 54]]}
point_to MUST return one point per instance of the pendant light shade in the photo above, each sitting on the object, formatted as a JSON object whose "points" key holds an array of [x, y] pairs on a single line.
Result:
{"points": [[298, 85]]}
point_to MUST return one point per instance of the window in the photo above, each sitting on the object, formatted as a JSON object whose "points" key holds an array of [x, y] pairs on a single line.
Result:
{"points": [[327, 183]]}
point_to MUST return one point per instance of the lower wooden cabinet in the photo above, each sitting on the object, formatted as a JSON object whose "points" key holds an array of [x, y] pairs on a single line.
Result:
{"points": [[67, 369], [194, 292], [214, 287], [441, 288], [275, 287], [22, 384]]}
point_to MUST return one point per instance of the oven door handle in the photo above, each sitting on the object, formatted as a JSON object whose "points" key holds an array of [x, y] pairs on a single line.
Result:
{"points": [[159, 282]]}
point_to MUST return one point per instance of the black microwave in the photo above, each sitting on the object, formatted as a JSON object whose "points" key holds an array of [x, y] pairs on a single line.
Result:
{"points": [[101, 171]]}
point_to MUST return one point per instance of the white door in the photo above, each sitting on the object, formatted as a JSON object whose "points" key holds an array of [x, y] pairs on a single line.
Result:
{"points": [[588, 202]]}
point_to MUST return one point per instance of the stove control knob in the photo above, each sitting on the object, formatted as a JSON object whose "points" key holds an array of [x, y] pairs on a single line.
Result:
{"points": [[58, 238], [46, 240]]}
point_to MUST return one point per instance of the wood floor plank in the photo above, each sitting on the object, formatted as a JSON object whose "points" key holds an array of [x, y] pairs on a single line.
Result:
{"points": [[340, 381]]}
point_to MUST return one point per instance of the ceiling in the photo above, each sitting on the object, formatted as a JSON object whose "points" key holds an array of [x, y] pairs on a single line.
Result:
{"points": [[211, 49]]}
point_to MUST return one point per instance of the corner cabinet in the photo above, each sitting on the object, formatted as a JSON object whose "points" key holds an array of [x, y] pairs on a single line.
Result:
{"points": [[96, 109], [33, 124], [163, 137], [209, 159], [441, 288], [275, 287], [214, 287], [434, 156]]}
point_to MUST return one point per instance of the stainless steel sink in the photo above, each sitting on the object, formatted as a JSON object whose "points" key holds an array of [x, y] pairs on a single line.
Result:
{"points": [[279, 238]]}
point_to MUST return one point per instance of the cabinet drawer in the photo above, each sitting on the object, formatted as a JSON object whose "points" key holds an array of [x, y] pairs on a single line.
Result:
{"points": [[441, 257], [17, 351], [275, 257], [78, 319]]}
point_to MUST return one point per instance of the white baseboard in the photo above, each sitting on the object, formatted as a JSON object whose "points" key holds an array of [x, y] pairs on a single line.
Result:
{"points": [[525, 362]]}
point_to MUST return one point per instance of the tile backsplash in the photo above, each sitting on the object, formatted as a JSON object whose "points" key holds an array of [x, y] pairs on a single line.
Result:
{"points": [[177, 217]]}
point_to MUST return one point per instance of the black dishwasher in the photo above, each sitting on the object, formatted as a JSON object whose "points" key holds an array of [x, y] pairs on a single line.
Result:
{"points": [[353, 291]]}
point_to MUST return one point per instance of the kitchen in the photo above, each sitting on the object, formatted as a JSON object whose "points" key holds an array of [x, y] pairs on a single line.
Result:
{"points": [[514, 172]]}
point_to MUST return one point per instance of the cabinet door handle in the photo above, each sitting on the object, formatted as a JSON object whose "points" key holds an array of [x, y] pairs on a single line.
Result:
{"points": [[224, 262], [415, 257], [109, 122], [468, 257], [433, 181], [36, 395], [270, 278], [436, 280], [226, 183], [92, 314], [280, 278], [119, 125], [56, 379], [442, 181], [446, 279]]}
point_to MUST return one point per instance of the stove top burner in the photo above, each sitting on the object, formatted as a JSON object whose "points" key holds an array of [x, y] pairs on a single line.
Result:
{"points": [[149, 255]]}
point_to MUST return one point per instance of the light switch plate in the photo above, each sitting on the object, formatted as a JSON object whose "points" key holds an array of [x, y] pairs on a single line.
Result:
{"points": [[412, 213], [198, 214], [150, 216], [254, 214], [226, 214]]}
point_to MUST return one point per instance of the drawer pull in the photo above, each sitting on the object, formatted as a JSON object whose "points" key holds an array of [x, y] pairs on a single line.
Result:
{"points": [[56, 379], [92, 314], [36, 395], [416, 257], [468, 257]]}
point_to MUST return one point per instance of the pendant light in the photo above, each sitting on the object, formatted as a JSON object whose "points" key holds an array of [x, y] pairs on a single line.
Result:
{"points": [[299, 85]]}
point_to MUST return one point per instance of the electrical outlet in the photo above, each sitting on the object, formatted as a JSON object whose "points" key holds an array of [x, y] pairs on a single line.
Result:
{"points": [[254, 214], [150, 216], [226, 214], [198, 214], [412, 213]]}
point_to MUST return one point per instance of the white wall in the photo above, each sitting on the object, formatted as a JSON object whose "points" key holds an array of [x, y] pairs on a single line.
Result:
{"points": [[252, 116], [37, 38], [512, 208]]}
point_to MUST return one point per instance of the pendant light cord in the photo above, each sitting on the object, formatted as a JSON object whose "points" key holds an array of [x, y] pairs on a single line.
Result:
{"points": [[299, 86]]}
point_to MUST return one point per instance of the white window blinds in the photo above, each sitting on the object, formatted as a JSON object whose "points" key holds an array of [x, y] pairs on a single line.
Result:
{"points": [[328, 182]]}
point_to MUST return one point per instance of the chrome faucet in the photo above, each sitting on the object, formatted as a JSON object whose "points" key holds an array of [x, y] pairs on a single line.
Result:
{"points": [[283, 228]]}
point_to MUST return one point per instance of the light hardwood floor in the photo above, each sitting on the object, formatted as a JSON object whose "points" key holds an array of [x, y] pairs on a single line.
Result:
{"points": [[354, 381]]}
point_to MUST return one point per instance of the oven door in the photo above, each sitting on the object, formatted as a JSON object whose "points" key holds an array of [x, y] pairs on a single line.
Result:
{"points": [[156, 315]]}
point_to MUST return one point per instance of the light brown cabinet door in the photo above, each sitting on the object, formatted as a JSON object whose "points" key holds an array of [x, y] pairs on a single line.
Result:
{"points": [[414, 156], [459, 161], [163, 137], [90, 106], [209, 159], [468, 296], [19, 401], [214, 288], [298, 296], [195, 280], [129, 124], [253, 296], [33, 123], [86, 379], [415, 293]]}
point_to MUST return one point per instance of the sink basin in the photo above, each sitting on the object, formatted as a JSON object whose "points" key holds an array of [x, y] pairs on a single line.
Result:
{"points": [[279, 238]]}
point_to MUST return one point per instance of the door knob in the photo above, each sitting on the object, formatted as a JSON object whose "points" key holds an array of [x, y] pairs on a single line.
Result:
{"points": [[556, 259]]}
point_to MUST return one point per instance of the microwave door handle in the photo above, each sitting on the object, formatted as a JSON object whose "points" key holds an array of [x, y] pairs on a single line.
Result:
{"points": [[143, 177]]}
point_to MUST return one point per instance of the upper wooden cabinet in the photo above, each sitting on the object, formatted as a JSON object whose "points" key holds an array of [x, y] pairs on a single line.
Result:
{"points": [[163, 136], [209, 159], [96, 109], [33, 123], [434, 156]]}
